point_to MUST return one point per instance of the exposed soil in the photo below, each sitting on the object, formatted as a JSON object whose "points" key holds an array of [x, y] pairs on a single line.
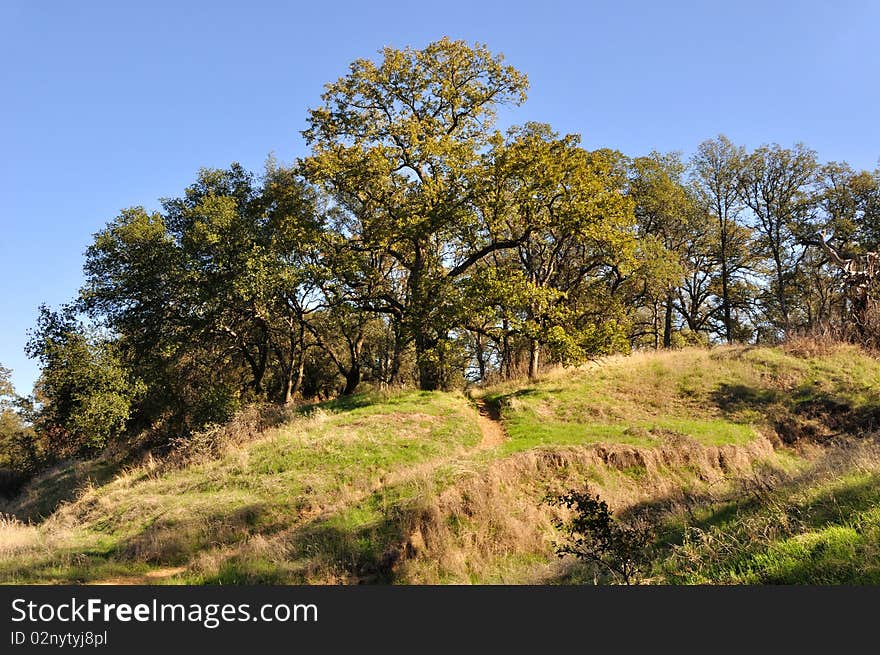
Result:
{"points": [[150, 577], [490, 424]]}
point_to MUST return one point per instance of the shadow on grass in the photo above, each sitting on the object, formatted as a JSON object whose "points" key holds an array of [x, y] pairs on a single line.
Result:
{"points": [[497, 401], [732, 399], [362, 554], [358, 400], [172, 541], [162, 542], [829, 507], [808, 528], [789, 541], [804, 413], [341, 404], [528, 391], [62, 483]]}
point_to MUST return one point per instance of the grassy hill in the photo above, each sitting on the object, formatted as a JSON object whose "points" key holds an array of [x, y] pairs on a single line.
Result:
{"points": [[754, 465]]}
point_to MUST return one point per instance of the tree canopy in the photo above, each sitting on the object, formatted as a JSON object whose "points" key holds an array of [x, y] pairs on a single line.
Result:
{"points": [[417, 243]]}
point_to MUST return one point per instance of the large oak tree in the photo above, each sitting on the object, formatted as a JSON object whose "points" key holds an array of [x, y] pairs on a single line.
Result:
{"points": [[396, 143]]}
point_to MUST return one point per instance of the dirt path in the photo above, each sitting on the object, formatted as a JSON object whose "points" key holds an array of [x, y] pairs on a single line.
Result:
{"points": [[150, 577], [489, 421]]}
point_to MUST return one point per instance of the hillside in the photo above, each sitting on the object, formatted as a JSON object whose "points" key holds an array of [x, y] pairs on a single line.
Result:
{"points": [[754, 465]]}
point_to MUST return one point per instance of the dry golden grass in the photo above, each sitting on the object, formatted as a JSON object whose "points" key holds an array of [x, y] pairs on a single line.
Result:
{"points": [[16, 536], [816, 345], [467, 532]]}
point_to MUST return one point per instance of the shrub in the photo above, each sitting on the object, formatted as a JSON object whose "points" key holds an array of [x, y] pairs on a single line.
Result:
{"points": [[593, 534]]}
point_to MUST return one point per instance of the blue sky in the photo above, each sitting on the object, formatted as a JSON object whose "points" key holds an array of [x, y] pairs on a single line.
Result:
{"points": [[107, 105]]}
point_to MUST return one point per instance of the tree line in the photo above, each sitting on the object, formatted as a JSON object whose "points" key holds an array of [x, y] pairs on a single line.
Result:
{"points": [[417, 244]]}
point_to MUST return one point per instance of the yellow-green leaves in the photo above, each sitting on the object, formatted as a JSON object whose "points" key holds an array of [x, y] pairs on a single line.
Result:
{"points": [[398, 143]]}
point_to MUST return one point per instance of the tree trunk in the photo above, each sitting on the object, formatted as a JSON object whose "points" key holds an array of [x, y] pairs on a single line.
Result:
{"points": [[725, 283], [426, 333], [293, 383], [534, 358], [783, 303], [353, 374], [295, 371], [506, 355], [667, 324], [655, 319], [780, 290], [860, 314], [258, 367], [352, 379], [480, 355], [288, 386], [396, 358], [430, 366]]}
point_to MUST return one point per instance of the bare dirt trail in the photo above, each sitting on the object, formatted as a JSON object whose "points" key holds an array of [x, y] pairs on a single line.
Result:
{"points": [[489, 420], [150, 577]]}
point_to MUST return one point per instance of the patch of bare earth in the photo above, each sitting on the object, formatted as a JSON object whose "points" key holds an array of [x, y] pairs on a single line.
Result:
{"points": [[150, 577], [489, 420]]}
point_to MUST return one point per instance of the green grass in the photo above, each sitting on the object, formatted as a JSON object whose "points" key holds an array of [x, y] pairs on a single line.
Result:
{"points": [[817, 530], [715, 397]]}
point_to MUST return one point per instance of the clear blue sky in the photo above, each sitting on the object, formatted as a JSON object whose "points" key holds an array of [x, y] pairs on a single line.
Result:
{"points": [[107, 105]]}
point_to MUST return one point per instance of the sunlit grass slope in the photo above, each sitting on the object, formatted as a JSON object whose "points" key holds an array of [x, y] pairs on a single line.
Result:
{"points": [[332, 462], [397, 488], [716, 397], [821, 526]]}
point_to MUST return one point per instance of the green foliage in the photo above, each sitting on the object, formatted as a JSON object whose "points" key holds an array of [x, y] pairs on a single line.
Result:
{"points": [[85, 391], [555, 288], [773, 183], [715, 170], [6, 390], [19, 453], [211, 296]]}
